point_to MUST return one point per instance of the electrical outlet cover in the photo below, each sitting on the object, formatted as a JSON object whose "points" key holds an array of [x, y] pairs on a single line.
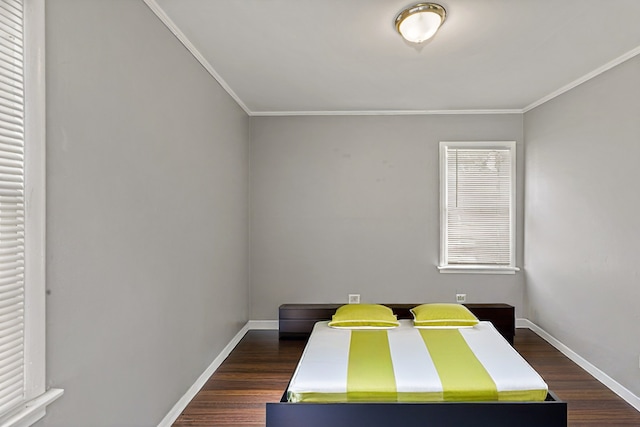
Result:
{"points": [[354, 298]]}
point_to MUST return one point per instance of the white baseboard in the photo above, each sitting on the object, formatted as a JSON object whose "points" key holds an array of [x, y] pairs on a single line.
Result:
{"points": [[605, 379], [181, 404]]}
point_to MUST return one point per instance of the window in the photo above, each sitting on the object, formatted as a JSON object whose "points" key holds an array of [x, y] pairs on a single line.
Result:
{"points": [[477, 207], [23, 397]]}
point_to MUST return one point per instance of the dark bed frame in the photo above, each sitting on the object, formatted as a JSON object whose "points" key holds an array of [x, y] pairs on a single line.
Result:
{"points": [[550, 413]]}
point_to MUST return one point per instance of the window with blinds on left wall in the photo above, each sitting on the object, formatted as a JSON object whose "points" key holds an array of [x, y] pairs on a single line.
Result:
{"points": [[23, 394]]}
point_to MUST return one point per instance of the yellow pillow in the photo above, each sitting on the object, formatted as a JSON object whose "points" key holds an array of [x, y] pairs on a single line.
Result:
{"points": [[442, 315], [364, 316]]}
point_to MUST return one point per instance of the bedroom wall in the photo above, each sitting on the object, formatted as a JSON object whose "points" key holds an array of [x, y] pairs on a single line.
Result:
{"points": [[582, 229], [351, 205], [147, 243]]}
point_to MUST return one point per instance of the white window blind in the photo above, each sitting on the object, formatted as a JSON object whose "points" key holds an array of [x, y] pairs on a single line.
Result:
{"points": [[23, 394], [477, 205], [12, 292]]}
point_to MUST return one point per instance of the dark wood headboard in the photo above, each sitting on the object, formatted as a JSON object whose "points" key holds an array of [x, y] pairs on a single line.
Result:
{"points": [[297, 320]]}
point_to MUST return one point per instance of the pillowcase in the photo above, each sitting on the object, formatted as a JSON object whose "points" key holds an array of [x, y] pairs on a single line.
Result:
{"points": [[364, 316], [442, 315]]}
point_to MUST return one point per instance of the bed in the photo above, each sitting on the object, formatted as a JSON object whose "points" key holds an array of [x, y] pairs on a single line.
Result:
{"points": [[409, 376]]}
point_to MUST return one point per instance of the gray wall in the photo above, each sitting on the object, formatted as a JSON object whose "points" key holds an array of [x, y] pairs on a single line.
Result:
{"points": [[351, 205], [582, 228], [147, 244]]}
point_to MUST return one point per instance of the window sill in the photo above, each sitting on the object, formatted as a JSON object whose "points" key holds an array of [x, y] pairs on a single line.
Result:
{"points": [[477, 269], [33, 410]]}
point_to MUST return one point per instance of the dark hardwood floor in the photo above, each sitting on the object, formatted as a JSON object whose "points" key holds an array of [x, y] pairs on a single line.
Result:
{"points": [[589, 402], [259, 368]]}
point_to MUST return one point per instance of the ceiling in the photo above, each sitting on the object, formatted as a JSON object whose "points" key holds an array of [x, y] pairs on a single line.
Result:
{"points": [[283, 57]]}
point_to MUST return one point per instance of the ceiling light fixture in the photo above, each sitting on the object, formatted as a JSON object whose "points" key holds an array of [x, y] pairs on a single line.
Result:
{"points": [[420, 22]]}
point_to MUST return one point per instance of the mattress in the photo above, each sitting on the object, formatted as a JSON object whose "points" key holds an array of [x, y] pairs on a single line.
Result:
{"points": [[406, 364]]}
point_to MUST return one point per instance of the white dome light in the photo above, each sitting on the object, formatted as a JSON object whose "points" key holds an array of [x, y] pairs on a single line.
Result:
{"points": [[420, 22]]}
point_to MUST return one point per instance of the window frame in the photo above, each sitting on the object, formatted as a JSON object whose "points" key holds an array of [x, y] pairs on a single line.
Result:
{"points": [[36, 396], [444, 266]]}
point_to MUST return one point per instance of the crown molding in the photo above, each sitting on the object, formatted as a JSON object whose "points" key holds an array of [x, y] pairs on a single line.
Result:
{"points": [[160, 13], [382, 112], [609, 65]]}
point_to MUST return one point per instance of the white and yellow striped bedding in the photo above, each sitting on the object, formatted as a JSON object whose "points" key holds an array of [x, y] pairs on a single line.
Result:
{"points": [[406, 364]]}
